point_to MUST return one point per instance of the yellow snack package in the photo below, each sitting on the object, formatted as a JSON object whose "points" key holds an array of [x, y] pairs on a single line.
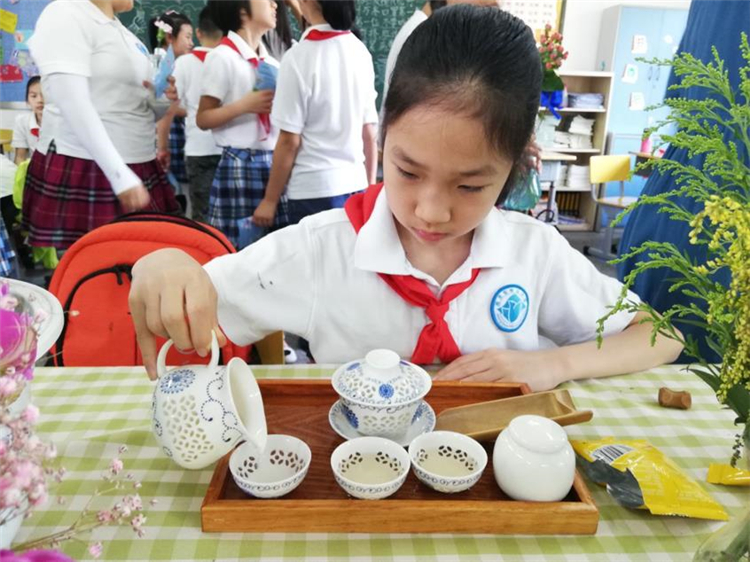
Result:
{"points": [[727, 475], [638, 475]]}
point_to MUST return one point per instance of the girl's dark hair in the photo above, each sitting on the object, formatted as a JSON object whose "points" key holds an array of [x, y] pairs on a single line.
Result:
{"points": [[283, 27], [435, 5], [175, 20], [226, 13], [480, 62], [207, 25], [33, 80], [340, 14]]}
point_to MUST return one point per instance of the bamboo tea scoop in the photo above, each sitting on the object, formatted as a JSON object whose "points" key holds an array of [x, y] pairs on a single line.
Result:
{"points": [[485, 420]]}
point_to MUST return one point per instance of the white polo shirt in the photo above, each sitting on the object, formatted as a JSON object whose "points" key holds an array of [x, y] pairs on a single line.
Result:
{"points": [[75, 37], [188, 75], [318, 279], [23, 137], [228, 76], [326, 93], [398, 43]]}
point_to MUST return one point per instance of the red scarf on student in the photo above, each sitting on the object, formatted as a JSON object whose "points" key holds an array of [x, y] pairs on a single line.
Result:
{"points": [[201, 55], [35, 131], [264, 118], [317, 35], [435, 339]]}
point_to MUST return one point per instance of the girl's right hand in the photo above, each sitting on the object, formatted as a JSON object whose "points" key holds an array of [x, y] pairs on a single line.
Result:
{"points": [[260, 101], [134, 199], [172, 296]]}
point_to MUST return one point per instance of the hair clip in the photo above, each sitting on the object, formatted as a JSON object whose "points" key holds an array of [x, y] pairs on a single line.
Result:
{"points": [[163, 26]]}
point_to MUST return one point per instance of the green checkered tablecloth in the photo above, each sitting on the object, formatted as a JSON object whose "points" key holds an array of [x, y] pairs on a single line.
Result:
{"points": [[88, 413]]}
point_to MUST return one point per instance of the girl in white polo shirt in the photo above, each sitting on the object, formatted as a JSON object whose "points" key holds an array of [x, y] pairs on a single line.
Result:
{"points": [[424, 265], [96, 156], [238, 89], [327, 147], [27, 126]]}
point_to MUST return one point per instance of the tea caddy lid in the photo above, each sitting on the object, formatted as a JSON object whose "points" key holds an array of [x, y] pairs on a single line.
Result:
{"points": [[538, 434]]}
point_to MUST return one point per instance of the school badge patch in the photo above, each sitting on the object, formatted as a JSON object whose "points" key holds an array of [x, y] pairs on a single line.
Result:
{"points": [[509, 308]]}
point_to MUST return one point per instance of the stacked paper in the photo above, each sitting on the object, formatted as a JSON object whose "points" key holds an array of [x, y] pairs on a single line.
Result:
{"points": [[578, 177]]}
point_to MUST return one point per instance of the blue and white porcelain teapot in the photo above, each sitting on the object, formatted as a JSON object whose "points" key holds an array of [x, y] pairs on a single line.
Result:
{"points": [[200, 412]]}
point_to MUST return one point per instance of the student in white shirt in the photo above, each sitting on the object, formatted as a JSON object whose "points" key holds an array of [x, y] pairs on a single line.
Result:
{"points": [[96, 156], [27, 126], [326, 113], [424, 265], [202, 154], [238, 90]]}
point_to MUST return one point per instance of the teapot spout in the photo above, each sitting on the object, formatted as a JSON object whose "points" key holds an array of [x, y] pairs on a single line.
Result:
{"points": [[248, 402]]}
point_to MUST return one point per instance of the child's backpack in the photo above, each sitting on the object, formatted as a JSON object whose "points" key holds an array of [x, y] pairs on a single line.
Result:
{"points": [[92, 283]]}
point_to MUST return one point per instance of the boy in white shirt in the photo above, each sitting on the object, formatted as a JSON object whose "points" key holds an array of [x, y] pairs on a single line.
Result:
{"points": [[202, 154], [27, 125]]}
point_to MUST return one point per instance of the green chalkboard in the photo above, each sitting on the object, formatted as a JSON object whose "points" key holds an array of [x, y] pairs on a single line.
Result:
{"points": [[379, 21]]}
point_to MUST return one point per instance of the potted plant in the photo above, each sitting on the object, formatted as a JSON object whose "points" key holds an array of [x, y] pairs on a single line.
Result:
{"points": [[718, 128]]}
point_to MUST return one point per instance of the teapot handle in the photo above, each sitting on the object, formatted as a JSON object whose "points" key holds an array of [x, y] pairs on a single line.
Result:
{"points": [[161, 360]]}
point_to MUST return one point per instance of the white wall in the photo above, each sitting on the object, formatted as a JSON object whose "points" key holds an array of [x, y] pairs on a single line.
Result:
{"points": [[581, 27]]}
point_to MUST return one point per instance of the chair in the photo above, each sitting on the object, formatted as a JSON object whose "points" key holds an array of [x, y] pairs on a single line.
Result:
{"points": [[6, 137], [602, 170]]}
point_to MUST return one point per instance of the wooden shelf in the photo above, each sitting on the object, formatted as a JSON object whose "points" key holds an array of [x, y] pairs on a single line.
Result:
{"points": [[565, 189], [578, 110], [583, 227], [574, 150]]}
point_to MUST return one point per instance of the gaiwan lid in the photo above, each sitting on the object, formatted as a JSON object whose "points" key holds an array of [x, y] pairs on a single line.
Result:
{"points": [[382, 378]]}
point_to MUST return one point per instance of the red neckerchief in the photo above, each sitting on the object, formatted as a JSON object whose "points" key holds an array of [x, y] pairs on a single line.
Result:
{"points": [[317, 35], [264, 118], [201, 54], [35, 131], [435, 338]]}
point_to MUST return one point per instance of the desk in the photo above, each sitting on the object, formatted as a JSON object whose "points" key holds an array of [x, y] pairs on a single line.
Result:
{"points": [[88, 413], [551, 165]]}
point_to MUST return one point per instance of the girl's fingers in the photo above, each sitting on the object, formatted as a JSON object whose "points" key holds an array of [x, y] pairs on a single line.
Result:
{"points": [[457, 366], [201, 313], [146, 339], [172, 312], [466, 369]]}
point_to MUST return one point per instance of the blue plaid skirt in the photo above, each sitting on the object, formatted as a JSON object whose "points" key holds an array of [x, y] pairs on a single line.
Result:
{"points": [[238, 188], [177, 150], [6, 252]]}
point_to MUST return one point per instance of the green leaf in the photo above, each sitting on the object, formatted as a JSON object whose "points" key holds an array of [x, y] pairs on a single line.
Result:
{"points": [[710, 379], [738, 398], [551, 82]]}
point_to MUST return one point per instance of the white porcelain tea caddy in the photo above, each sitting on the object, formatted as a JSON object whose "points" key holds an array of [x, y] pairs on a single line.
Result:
{"points": [[533, 460], [381, 393], [200, 412]]}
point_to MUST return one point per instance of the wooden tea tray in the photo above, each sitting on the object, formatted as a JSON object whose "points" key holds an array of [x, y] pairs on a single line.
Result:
{"points": [[300, 408]]}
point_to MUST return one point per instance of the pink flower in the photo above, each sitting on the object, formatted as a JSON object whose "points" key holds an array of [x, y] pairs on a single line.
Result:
{"points": [[8, 386], [105, 516], [95, 549], [30, 414], [548, 66], [115, 467], [34, 556], [137, 524], [133, 502]]}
